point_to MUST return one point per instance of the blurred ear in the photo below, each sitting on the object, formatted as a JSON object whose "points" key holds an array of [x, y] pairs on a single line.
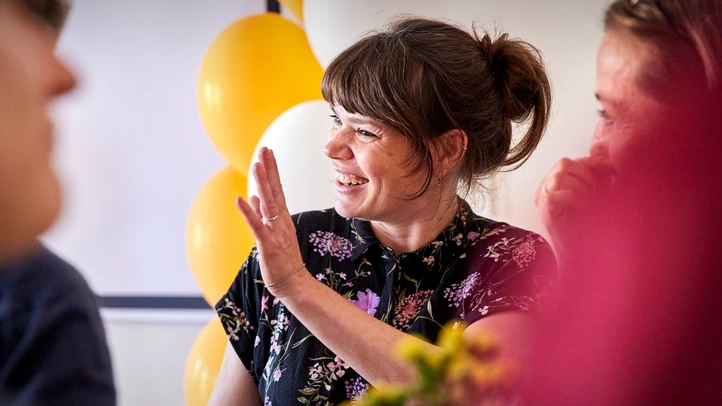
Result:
{"points": [[448, 151]]}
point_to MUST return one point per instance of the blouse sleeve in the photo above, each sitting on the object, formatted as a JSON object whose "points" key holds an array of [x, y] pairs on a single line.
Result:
{"points": [[512, 270], [238, 310]]}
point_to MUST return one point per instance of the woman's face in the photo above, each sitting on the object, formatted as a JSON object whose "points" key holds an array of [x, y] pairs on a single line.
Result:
{"points": [[30, 77], [374, 166], [645, 116], [628, 114]]}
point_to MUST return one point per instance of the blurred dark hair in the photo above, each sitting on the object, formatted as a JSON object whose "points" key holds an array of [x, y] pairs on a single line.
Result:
{"points": [[676, 26], [52, 13], [425, 77]]}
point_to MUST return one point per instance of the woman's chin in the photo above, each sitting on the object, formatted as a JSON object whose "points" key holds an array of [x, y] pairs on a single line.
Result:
{"points": [[343, 209]]}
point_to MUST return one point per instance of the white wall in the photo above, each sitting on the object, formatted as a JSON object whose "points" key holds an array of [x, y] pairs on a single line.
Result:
{"points": [[131, 146], [133, 154]]}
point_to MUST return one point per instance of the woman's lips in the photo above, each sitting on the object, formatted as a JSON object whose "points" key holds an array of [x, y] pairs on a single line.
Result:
{"points": [[350, 180]]}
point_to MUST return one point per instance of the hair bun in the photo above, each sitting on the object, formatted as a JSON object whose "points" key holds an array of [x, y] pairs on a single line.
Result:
{"points": [[522, 88], [516, 67]]}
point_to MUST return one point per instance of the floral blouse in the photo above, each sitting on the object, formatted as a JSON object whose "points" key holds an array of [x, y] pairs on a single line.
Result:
{"points": [[475, 268]]}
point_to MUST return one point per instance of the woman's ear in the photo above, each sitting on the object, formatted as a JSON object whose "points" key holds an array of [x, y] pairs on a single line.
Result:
{"points": [[449, 151]]}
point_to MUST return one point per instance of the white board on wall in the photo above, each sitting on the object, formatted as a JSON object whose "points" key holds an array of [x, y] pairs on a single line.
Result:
{"points": [[131, 149]]}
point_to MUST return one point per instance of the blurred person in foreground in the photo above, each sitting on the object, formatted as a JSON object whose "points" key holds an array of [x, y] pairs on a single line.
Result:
{"points": [[418, 110], [53, 349], [637, 224]]}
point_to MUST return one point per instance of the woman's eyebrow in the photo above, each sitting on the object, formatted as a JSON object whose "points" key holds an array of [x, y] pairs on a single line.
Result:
{"points": [[606, 100]]}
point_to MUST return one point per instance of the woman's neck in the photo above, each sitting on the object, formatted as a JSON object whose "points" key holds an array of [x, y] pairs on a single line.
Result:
{"points": [[408, 236]]}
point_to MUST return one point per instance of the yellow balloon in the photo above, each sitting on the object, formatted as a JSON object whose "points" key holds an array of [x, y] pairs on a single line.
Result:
{"points": [[257, 68], [295, 7], [204, 364], [218, 238]]}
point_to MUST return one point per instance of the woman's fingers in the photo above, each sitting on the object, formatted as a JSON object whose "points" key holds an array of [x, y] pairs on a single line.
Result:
{"points": [[562, 181], [569, 188], [563, 203], [268, 207], [274, 178], [604, 174], [587, 176], [252, 218], [255, 204], [576, 169]]}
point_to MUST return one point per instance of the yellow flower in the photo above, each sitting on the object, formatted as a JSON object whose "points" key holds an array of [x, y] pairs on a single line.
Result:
{"points": [[450, 338], [457, 367], [384, 395]]}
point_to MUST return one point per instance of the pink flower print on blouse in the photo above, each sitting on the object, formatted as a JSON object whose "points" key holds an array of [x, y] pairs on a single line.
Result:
{"points": [[337, 367], [460, 291], [355, 389], [524, 252], [407, 310], [367, 302], [496, 231], [330, 243], [472, 235], [457, 238]]}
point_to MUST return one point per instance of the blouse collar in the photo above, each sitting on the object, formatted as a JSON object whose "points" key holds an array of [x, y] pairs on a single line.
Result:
{"points": [[451, 244]]}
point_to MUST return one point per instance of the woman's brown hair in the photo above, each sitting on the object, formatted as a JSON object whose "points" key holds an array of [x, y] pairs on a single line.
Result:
{"points": [[689, 29], [425, 77]]}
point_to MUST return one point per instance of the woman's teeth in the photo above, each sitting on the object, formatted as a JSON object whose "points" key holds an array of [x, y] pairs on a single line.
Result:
{"points": [[350, 180]]}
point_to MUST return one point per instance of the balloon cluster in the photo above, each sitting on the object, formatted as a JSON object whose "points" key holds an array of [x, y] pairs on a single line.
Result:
{"points": [[260, 85], [255, 69]]}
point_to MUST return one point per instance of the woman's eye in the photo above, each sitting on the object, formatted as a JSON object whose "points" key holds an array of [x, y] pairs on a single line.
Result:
{"points": [[365, 133], [335, 118], [605, 116]]}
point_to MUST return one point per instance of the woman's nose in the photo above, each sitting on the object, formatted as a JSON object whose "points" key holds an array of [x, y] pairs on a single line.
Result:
{"points": [[63, 79], [599, 145], [337, 146]]}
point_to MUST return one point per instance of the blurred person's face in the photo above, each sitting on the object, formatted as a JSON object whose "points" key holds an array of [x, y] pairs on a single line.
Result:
{"points": [[30, 77], [646, 117], [627, 111], [650, 118]]}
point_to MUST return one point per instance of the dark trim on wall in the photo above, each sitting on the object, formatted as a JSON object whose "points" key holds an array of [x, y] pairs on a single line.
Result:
{"points": [[273, 6], [153, 302]]}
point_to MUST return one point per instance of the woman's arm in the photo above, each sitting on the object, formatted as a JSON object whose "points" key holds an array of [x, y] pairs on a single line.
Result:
{"points": [[511, 329], [369, 345], [234, 385]]}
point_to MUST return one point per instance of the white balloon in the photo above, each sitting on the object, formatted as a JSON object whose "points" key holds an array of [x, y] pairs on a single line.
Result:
{"points": [[334, 25], [297, 138]]}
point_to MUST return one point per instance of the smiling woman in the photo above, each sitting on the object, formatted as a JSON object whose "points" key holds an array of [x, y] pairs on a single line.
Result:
{"points": [[417, 110]]}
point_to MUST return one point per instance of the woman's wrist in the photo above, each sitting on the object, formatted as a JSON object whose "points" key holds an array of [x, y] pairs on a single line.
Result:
{"points": [[293, 284]]}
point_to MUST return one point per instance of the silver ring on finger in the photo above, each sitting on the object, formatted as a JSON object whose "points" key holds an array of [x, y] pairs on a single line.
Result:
{"points": [[267, 220]]}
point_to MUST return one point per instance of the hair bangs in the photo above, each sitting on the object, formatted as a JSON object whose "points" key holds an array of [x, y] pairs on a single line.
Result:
{"points": [[371, 79]]}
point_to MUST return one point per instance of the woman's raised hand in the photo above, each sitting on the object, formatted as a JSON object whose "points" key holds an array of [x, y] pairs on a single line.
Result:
{"points": [[569, 193], [267, 215]]}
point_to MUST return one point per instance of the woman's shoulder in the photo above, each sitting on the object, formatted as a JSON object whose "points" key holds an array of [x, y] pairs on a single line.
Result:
{"points": [[497, 236], [500, 230]]}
